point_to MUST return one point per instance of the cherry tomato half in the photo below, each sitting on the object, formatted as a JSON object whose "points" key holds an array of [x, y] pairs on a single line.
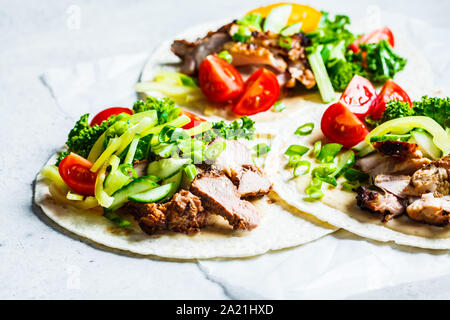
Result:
{"points": [[195, 120], [339, 125], [375, 36], [76, 173], [219, 80], [105, 114], [358, 96], [390, 91], [261, 91]]}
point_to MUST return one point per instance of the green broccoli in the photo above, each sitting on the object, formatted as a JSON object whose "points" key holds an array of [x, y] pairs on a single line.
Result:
{"points": [[381, 62], [165, 108], [436, 108], [235, 130], [82, 137]]}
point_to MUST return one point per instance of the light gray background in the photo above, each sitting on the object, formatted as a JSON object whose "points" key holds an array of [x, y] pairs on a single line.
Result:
{"points": [[36, 261]]}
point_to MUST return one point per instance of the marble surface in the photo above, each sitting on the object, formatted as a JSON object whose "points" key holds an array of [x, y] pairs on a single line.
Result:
{"points": [[38, 261]]}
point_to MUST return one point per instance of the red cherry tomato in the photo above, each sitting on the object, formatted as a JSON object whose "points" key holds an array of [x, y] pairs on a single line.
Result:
{"points": [[195, 120], [260, 93], [375, 36], [76, 173], [105, 114], [340, 125], [219, 80], [390, 91], [358, 96]]}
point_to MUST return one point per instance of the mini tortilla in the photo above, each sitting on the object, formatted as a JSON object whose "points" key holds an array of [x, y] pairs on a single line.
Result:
{"points": [[281, 226]]}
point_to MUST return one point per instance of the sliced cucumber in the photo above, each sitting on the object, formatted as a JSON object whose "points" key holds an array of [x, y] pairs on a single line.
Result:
{"points": [[165, 168], [425, 142], [343, 162], [153, 195], [176, 180], [277, 18], [363, 149], [137, 186]]}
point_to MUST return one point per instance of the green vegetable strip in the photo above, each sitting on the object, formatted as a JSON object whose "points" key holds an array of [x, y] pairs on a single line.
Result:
{"points": [[355, 175], [305, 129], [296, 149], [320, 73], [261, 149], [328, 152], [178, 122], [102, 197], [114, 217], [190, 171], [317, 148], [132, 150], [97, 148]]}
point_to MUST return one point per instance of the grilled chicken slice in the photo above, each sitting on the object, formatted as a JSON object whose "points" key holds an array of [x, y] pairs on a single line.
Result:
{"points": [[398, 149], [433, 178], [395, 184], [236, 162], [430, 209], [220, 196], [387, 205]]}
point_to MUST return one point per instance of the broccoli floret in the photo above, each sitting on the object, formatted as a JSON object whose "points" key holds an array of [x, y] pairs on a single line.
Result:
{"points": [[397, 109], [436, 108], [165, 108], [380, 61], [341, 72], [235, 130], [61, 156], [82, 137]]}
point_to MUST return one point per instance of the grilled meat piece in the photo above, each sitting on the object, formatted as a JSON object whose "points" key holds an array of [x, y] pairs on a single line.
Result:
{"points": [[220, 196], [398, 149], [430, 209], [236, 162], [193, 53], [394, 184], [378, 164], [387, 205], [184, 213], [433, 178]]}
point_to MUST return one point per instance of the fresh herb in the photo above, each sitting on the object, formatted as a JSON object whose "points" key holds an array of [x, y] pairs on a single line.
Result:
{"points": [[165, 108], [436, 108], [305, 129], [225, 55], [238, 129], [261, 149], [295, 149], [279, 106]]}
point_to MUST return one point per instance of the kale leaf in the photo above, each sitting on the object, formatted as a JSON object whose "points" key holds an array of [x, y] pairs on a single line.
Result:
{"points": [[436, 108]]}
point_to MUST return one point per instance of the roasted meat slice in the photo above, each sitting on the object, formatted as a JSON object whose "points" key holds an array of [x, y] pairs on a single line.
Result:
{"points": [[184, 213], [430, 209], [376, 164], [249, 54], [220, 196], [395, 184], [193, 53], [387, 205], [236, 162], [433, 178], [398, 149]]}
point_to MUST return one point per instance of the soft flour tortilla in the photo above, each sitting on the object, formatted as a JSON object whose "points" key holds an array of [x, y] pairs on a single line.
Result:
{"points": [[338, 207], [281, 226]]}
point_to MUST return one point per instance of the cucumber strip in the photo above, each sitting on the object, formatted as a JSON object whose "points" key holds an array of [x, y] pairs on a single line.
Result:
{"points": [[132, 150], [277, 18], [202, 127], [165, 168], [178, 122], [104, 199], [153, 195], [344, 161], [320, 73], [137, 186], [118, 220], [391, 137], [97, 148], [363, 149], [176, 180], [425, 142]]}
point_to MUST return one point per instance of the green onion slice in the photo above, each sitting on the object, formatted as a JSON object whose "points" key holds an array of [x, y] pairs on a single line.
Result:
{"points": [[350, 185], [355, 175], [317, 148], [302, 168], [295, 149], [225, 55], [305, 129], [328, 152], [215, 149], [261, 149], [279, 106], [190, 171]]}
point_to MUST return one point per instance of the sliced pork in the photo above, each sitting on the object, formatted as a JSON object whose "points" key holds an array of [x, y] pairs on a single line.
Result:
{"points": [[184, 213], [398, 149], [395, 184], [430, 209], [220, 196], [385, 204], [433, 178]]}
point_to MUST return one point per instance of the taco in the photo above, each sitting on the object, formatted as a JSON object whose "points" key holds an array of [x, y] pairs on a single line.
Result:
{"points": [[141, 181]]}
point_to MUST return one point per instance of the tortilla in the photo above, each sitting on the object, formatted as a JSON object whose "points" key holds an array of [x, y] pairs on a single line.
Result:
{"points": [[281, 226], [338, 207]]}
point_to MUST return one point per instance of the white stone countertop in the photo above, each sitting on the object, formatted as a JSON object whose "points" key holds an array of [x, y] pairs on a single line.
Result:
{"points": [[38, 261]]}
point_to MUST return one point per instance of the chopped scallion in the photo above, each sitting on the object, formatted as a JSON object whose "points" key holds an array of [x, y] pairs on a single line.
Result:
{"points": [[261, 149], [305, 129], [302, 168], [279, 106], [295, 149], [225, 55], [328, 152]]}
